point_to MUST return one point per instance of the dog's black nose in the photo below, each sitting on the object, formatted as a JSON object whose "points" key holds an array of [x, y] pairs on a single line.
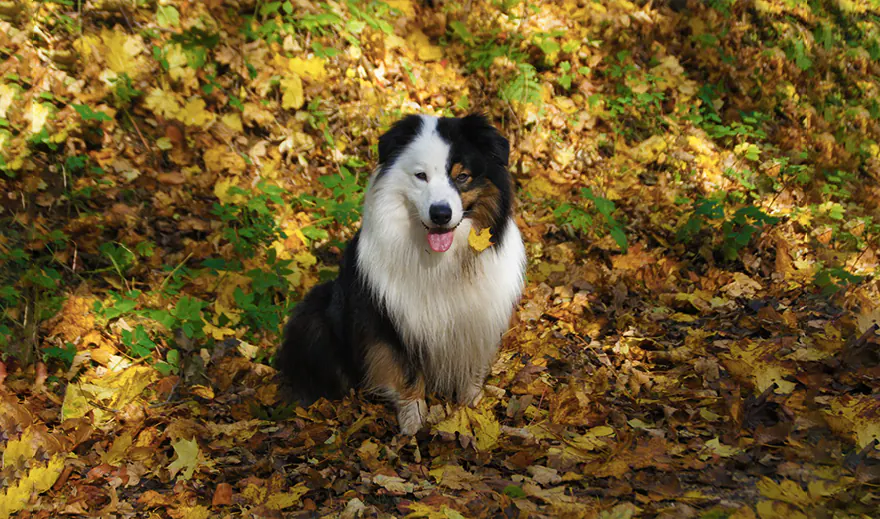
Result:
{"points": [[440, 213]]}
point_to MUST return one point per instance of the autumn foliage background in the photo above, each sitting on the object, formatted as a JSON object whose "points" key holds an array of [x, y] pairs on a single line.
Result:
{"points": [[699, 191]]}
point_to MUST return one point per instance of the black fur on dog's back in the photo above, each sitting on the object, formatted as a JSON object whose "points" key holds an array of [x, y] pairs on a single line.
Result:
{"points": [[310, 353], [322, 354]]}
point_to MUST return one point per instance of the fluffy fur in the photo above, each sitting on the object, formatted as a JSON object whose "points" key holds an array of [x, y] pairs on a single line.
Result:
{"points": [[404, 318]]}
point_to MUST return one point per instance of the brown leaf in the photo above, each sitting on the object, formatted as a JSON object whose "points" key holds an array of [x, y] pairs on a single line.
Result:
{"points": [[222, 495]]}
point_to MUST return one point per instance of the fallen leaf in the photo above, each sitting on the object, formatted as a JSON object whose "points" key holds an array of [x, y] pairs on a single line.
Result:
{"points": [[480, 241]]}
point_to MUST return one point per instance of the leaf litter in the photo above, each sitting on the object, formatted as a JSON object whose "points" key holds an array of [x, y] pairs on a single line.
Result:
{"points": [[182, 173]]}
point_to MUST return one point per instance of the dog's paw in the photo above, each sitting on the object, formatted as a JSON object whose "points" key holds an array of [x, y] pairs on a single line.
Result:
{"points": [[472, 396], [411, 416]]}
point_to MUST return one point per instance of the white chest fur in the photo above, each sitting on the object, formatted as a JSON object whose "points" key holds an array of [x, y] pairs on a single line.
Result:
{"points": [[449, 308]]}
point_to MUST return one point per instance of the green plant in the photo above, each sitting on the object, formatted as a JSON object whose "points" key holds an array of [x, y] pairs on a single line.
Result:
{"points": [[138, 342], [342, 207], [252, 224], [576, 217], [636, 102], [63, 355], [567, 74], [171, 364], [523, 86], [737, 230], [831, 280]]}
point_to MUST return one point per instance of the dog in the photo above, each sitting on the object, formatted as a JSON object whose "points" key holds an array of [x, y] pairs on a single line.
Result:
{"points": [[415, 309]]}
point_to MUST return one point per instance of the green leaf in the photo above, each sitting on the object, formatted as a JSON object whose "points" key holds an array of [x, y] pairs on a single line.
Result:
{"points": [[460, 29], [619, 238], [167, 16], [88, 114], [514, 491]]}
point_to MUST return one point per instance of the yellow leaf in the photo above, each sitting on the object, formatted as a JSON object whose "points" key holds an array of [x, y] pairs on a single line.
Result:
{"points": [[787, 491], [541, 187], [725, 451], [123, 52], [86, 45], [129, 384], [423, 511], [221, 191], [404, 6], [247, 350], [394, 484], [187, 458], [194, 512], [474, 427], [233, 121], [7, 95], [117, 451], [305, 259], [425, 50], [857, 417], [221, 158], [178, 64], [218, 332], [75, 404], [293, 92], [38, 480], [201, 391], [480, 241], [162, 103], [113, 391], [650, 149], [194, 113], [20, 450], [777, 510], [38, 115], [821, 488], [312, 67], [287, 499]]}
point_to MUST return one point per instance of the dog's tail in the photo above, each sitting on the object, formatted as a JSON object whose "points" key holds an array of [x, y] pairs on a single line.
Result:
{"points": [[312, 356]]}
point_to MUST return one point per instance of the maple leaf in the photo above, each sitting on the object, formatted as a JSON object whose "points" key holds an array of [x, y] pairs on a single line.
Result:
{"points": [[217, 332], [116, 454], [425, 50], [194, 512], [39, 114], [39, 479], [480, 241], [284, 500], [419, 510], [293, 92], [187, 458], [394, 484], [193, 113], [474, 427], [857, 416], [123, 52], [312, 67], [163, 103]]}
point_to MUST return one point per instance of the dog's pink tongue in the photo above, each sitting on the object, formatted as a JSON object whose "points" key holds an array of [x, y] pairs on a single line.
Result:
{"points": [[440, 241]]}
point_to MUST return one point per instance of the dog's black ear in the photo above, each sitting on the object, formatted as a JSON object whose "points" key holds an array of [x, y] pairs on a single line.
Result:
{"points": [[481, 132], [398, 137]]}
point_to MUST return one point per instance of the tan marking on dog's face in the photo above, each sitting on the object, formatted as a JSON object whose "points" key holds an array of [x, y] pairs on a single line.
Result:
{"points": [[456, 170], [482, 205]]}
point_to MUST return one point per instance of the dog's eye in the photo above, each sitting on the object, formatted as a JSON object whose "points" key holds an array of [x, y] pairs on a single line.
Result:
{"points": [[421, 175], [462, 178]]}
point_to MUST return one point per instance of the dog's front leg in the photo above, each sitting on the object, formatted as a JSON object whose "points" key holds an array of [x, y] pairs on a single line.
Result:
{"points": [[387, 377], [411, 408], [472, 392]]}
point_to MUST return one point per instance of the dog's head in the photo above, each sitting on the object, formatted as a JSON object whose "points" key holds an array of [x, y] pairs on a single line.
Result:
{"points": [[448, 170]]}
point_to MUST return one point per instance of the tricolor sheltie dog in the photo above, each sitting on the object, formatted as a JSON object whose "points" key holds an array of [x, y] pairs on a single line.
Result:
{"points": [[415, 309]]}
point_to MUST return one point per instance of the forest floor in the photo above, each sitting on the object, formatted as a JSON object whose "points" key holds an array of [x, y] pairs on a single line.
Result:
{"points": [[698, 188]]}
